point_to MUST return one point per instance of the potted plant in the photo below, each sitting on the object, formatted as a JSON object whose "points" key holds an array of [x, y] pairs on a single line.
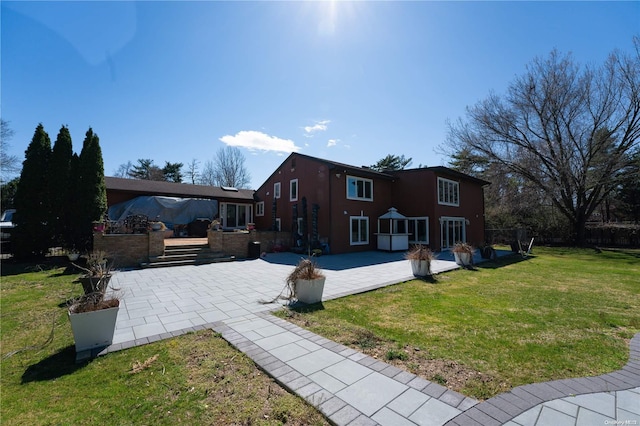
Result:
{"points": [[420, 258], [97, 273], [306, 282], [93, 315], [157, 226], [463, 254], [73, 254], [98, 226]]}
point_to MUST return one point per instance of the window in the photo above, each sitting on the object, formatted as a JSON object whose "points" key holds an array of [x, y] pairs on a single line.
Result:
{"points": [[419, 230], [359, 188], [448, 192], [359, 230], [452, 231], [278, 224], [293, 190], [260, 208], [276, 190], [235, 215]]}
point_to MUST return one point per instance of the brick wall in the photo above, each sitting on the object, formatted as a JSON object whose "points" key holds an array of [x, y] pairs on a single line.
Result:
{"points": [[156, 243], [237, 243], [126, 250]]}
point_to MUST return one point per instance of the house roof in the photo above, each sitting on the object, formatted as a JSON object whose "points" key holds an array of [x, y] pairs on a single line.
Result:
{"points": [[172, 189], [360, 171], [443, 171]]}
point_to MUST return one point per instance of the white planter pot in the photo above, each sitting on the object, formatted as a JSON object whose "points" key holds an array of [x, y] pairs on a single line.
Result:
{"points": [[93, 329], [73, 256], [462, 259], [310, 291], [421, 268]]}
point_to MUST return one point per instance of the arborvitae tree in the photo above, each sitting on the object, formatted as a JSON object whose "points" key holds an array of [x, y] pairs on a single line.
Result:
{"points": [[92, 192], [60, 185], [32, 235], [75, 207]]}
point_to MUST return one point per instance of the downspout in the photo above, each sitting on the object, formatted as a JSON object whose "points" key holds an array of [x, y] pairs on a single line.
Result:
{"points": [[330, 205], [484, 223]]}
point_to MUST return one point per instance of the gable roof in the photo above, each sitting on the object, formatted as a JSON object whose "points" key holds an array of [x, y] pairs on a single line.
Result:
{"points": [[442, 171], [332, 165], [172, 189], [390, 175]]}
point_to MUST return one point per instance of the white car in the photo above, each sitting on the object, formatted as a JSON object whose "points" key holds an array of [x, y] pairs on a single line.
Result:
{"points": [[6, 225]]}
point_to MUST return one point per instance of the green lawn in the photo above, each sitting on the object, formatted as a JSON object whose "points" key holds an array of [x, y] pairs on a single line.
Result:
{"points": [[561, 313], [194, 379]]}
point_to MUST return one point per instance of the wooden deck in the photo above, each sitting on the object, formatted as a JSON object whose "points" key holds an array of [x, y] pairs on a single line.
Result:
{"points": [[179, 241]]}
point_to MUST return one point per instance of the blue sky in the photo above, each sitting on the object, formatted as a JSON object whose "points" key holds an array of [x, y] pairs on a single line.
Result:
{"points": [[346, 81]]}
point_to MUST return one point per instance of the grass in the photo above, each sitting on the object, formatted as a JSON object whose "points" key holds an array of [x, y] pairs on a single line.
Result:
{"points": [[196, 378], [561, 313]]}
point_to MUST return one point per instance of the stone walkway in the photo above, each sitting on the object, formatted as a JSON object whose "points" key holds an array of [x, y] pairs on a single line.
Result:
{"points": [[348, 387]]}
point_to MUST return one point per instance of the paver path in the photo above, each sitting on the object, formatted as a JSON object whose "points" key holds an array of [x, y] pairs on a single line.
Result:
{"points": [[349, 387]]}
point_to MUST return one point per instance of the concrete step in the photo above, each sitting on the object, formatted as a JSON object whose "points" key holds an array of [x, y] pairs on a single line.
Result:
{"points": [[187, 255], [169, 263]]}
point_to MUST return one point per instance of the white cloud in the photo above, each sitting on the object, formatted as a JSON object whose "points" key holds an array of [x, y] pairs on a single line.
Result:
{"points": [[319, 126], [333, 142], [252, 139]]}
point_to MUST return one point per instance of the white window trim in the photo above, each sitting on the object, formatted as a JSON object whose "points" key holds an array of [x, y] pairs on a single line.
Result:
{"points": [[357, 178], [291, 197], [358, 243], [414, 219], [276, 190], [223, 214], [456, 185], [260, 208], [278, 224]]}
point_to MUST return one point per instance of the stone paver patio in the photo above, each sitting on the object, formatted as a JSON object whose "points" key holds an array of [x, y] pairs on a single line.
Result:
{"points": [[348, 387]]}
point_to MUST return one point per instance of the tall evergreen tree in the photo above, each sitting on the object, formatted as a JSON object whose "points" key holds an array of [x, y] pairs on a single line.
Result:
{"points": [[60, 186], [92, 192], [33, 231], [74, 207], [172, 172], [391, 162]]}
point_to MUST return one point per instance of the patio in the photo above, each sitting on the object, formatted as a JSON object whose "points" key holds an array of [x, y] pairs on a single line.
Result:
{"points": [[158, 302]]}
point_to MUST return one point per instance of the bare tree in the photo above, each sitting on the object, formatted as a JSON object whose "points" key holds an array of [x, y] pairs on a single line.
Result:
{"points": [[192, 171], [123, 170], [567, 130], [228, 169], [208, 175], [9, 164]]}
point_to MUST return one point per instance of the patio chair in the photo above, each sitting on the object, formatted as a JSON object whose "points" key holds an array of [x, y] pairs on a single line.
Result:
{"points": [[524, 252]]}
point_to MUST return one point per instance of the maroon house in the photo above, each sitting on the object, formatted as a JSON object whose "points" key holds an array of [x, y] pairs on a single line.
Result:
{"points": [[342, 204]]}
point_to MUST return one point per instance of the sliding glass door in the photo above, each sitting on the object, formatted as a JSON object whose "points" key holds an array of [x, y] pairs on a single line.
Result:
{"points": [[451, 231]]}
